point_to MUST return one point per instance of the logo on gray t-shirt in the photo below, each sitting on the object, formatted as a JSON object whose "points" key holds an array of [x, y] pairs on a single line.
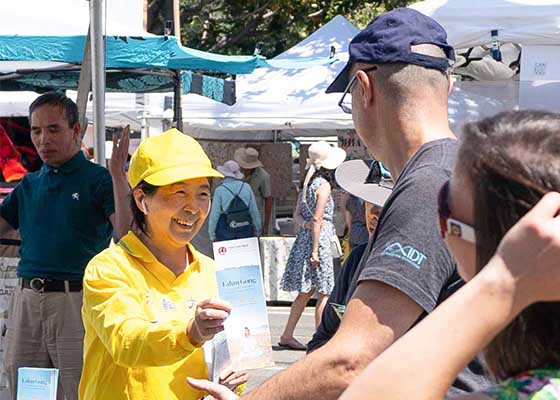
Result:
{"points": [[406, 253]]}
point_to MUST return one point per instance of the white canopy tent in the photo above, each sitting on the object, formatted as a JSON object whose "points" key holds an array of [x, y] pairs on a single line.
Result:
{"points": [[69, 17], [531, 25], [277, 102], [469, 22]]}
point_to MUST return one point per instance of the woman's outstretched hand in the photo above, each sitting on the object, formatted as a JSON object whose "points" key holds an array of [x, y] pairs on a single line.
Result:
{"points": [[209, 319]]}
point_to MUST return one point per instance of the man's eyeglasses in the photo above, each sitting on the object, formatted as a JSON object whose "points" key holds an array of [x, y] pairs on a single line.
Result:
{"points": [[451, 226], [346, 106]]}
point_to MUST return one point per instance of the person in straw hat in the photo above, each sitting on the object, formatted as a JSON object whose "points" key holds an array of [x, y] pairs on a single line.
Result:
{"points": [[259, 180], [309, 268], [149, 301], [232, 187]]}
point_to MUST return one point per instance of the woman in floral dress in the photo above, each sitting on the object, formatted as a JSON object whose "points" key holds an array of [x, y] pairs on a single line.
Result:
{"points": [[309, 268]]}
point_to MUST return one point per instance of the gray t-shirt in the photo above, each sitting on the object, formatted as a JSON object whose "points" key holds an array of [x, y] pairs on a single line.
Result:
{"points": [[407, 251]]}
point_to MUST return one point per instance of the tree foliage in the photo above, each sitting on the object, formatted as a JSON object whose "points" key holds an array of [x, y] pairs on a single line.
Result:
{"points": [[236, 26]]}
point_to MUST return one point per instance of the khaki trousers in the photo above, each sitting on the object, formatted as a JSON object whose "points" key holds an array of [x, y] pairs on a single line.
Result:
{"points": [[45, 330]]}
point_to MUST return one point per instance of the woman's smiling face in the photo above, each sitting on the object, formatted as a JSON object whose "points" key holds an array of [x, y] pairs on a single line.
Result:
{"points": [[176, 212]]}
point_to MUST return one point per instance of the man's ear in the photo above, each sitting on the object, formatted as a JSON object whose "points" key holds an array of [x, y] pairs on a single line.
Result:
{"points": [[449, 85], [365, 87], [76, 133]]}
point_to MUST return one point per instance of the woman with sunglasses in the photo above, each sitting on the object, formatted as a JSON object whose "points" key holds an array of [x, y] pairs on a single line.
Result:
{"points": [[509, 309]]}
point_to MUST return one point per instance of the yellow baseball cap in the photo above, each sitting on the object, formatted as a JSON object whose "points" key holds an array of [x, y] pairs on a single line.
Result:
{"points": [[168, 158]]}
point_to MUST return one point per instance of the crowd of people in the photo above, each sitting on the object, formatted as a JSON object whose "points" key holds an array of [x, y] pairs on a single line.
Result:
{"points": [[425, 215]]}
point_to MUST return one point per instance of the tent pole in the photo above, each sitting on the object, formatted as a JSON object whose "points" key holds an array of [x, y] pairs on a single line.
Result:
{"points": [[177, 100], [98, 79], [177, 21], [84, 86]]}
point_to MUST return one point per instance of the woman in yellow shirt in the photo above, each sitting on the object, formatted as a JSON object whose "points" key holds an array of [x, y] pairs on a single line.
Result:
{"points": [[149, 301]]}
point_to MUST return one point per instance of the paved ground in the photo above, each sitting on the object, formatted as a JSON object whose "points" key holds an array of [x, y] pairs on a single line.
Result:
{"points": [[283, 358]]}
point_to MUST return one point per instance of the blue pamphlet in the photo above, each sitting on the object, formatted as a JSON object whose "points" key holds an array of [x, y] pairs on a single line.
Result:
{"points": [[37, 383]]}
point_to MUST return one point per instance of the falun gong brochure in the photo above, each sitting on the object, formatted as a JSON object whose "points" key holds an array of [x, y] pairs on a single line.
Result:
{"points": [[238, 273], [37, 383]]}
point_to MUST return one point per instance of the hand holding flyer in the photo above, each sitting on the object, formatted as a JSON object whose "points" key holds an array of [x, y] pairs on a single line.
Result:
{"points": [[209, 320]]}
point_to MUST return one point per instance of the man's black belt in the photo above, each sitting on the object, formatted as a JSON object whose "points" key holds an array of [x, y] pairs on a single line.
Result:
{"points": [[41, 285]]}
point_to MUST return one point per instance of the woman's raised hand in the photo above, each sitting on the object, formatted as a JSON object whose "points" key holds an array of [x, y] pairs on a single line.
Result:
{"points": [[530, 252]]}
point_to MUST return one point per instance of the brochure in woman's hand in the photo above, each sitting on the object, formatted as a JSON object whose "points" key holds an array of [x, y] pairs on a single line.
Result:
{"points": [[238, 273]]}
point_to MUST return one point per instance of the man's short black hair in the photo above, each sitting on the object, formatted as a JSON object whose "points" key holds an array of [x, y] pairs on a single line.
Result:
{"points": [[59, 99]]}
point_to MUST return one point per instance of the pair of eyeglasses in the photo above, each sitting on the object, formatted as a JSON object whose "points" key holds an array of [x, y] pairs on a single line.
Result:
{"points": [[346, 105], [452, 226]]}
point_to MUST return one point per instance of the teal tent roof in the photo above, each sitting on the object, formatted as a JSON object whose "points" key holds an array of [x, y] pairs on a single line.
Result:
{"points": [[140, 52], [124, 52], [133, 64]]}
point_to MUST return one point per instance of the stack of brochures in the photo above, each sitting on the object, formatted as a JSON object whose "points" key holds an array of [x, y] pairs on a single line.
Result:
{"points": [[216, 355]]}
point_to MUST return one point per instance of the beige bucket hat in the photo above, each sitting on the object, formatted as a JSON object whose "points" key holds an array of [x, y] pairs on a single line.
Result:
{"points": [[247, 158]]}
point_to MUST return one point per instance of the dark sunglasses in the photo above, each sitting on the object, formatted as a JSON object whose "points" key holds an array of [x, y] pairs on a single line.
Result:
{"points": [[448, 225]]}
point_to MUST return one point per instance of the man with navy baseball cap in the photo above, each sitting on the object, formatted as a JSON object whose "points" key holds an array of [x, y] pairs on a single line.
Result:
{"points": [[390, 38], [396, 86]]}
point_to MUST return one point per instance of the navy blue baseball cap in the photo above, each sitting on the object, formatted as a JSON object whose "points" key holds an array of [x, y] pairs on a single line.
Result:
{"points": [[389, 38]]}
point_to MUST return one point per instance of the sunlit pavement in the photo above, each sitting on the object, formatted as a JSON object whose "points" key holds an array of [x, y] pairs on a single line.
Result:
{"points": [[283, 358]]}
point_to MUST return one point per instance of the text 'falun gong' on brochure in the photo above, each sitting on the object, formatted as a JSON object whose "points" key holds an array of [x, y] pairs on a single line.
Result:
{"points": [[238, 272]]}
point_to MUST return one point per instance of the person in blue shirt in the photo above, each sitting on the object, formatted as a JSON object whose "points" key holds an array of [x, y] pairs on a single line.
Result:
{"points": [[65, 213], [225, 193]]}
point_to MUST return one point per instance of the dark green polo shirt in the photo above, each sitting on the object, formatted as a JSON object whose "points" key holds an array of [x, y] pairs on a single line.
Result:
{"points": [[63, 218]]}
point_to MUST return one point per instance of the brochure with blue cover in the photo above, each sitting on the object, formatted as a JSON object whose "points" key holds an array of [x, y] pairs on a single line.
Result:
{"points": [[238, 272], [37, 383]]}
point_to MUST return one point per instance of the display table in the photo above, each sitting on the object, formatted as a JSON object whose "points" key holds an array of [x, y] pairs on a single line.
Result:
{"points": [[274, 255]]}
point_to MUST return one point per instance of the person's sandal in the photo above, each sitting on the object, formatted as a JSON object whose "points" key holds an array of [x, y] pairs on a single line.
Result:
{"points": [[297, 346]]}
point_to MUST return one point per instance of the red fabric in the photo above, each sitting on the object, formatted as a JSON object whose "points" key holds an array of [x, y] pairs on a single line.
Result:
{"points": [[10, 159]]}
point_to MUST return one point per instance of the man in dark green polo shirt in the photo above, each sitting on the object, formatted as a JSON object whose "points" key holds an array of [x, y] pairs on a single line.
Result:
{"points": [[65, 213]]}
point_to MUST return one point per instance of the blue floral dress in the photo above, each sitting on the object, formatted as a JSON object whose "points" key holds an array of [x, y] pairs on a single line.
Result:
{"points": [[537, 384], [299, 276]]}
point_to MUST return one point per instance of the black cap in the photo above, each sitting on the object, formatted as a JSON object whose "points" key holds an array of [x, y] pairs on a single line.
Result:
{"points": [[389, 38]]}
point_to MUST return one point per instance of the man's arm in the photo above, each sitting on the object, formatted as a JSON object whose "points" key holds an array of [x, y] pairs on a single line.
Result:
{"points": [[266, 193], [375, 317], [122, 218], [254, 212], [266, 216]]}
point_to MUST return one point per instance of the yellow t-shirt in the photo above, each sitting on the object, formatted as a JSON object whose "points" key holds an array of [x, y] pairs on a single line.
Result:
{"points": [[135, 316]]}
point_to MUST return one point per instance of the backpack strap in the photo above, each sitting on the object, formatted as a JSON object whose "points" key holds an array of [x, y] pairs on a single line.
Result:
{"points": [[236, 195]]}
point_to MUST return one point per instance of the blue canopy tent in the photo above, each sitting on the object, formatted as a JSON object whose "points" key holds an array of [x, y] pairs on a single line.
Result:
{"points": [[133, 64]]}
